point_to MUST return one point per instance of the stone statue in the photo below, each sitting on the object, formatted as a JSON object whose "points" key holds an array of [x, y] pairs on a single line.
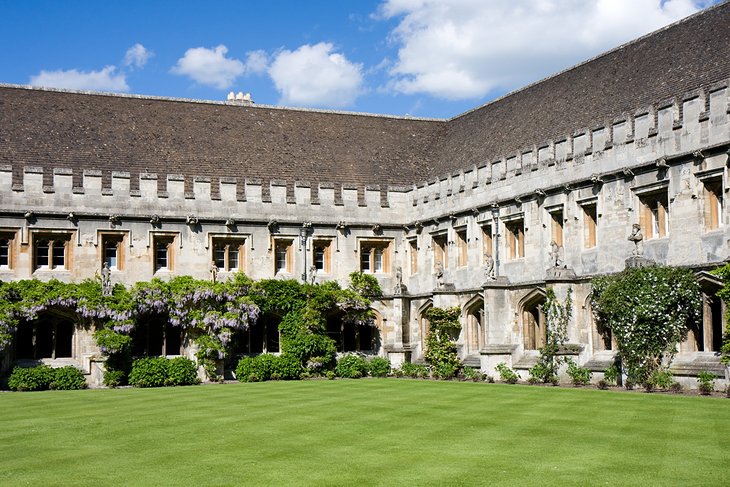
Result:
{"points": [[312, 273], [398, 288], [489, 272], [555, 260], [106, 280], [638, 239], [439, 273], [213, 271]]}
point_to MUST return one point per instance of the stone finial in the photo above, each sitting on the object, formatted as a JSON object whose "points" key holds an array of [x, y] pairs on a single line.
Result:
{"points": [[231, 96], [191, 220], [115, 220]]}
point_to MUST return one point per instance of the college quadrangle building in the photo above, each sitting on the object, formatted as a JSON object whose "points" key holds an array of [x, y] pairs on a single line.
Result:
{"points": [[539, 189]]}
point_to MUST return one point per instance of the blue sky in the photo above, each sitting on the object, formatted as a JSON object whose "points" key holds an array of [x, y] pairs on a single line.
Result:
{"points": [[424, 58]]}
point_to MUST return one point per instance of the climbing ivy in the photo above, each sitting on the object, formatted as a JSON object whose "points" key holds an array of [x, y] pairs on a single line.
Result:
{"points": [[443, 328], [209, 313], [648, 310]]}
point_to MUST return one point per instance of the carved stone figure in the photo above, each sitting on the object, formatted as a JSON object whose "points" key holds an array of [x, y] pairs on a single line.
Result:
{"points": [[439, 273], [312, 273], [638, 238], [398, 288], [106, 280], [213, 272], [489, 272], [555, 251]]}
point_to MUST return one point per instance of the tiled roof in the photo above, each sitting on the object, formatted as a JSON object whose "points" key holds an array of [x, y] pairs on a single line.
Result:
{"points": [[687, 56], [56, 129]]}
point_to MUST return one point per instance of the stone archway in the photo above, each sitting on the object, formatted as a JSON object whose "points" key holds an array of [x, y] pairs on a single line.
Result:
{"points": [[533, 319], [473, 326]]}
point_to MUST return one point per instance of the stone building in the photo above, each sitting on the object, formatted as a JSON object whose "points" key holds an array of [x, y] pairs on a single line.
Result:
{"points": [[538, 189]]}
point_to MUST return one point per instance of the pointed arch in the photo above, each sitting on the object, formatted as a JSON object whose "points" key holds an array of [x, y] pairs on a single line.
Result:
{"points": [[473, 333], [601, 337], [533, 320], [423, 325]]}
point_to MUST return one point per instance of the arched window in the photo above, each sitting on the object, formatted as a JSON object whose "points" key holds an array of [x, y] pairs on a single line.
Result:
{"points": [[423, 326], [353, 337], [153, 335], [533, 319], [473, 330], [48, 336]]}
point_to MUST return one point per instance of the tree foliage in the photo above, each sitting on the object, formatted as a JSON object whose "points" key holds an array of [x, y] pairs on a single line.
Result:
{"points": [[648, 310], [443, 328]]}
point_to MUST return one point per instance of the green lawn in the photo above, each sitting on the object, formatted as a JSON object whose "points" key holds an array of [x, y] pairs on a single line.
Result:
{"points": [[362, 432]]}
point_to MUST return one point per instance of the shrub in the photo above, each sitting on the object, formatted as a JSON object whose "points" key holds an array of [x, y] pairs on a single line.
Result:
{"points": [[37, 378], [67, 379], [286, 367], [540, 372], [506, 374], [661, 379], [149, 372], [351, 366], [255, 369], [379, 367], [181, 371], [468, 373], [580, 376], [602, 384], [610, 375], [114, 378], [415, 371], [676, 387], [331, 375], [445, 370], [489, 379], [706, 382]]}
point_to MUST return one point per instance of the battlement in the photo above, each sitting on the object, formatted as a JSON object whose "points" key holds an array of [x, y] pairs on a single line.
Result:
{"points": [[668, 130]]}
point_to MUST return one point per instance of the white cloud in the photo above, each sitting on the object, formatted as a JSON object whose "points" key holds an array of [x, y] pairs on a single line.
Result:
{"points": [[315, 75], [257, 62], [137, 56], [461, 49], [209, 66], [106, 79]]}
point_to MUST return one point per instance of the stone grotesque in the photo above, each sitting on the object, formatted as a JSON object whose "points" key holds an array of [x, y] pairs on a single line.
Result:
{"points": [[106, 280], [213, 271], [155, 220], [230, 222], [191, 220], [638, 239], [115, 220], [489, 272]]}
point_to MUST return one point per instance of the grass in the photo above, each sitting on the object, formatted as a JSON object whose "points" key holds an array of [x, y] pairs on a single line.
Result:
{"points": [[362, 432]]}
